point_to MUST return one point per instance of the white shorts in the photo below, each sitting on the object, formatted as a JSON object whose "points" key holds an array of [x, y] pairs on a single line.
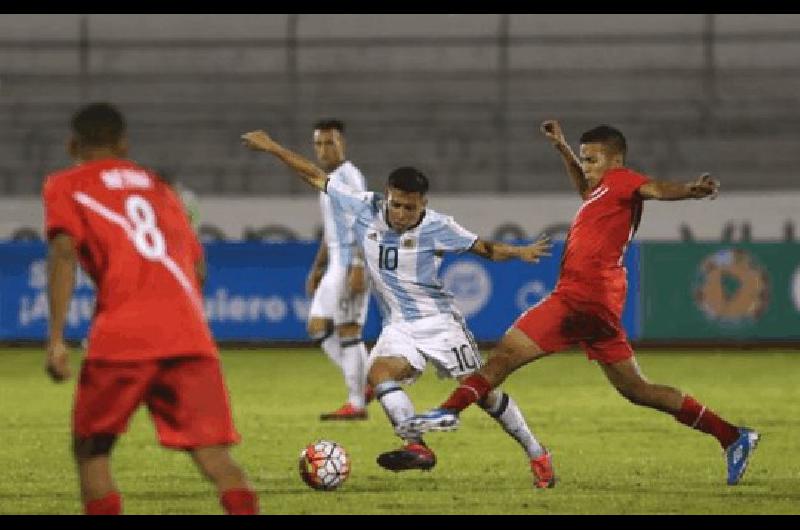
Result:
{"points": [[444, 340], [331, 300]]}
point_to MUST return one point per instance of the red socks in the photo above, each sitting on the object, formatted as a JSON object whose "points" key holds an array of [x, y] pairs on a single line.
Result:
{"points": [[235, 501], [472, 389], [240, 502], [111, 504], [698, 417]]}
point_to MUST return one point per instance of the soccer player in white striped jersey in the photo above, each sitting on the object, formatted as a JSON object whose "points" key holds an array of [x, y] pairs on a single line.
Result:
{"points": [[337, 281], [403, 243]]}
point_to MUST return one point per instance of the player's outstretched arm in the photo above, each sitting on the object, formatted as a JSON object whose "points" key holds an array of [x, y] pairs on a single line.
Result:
{"points": [[497, 251], [260, 141], [663, 190], [61, 263], [552, 130]]}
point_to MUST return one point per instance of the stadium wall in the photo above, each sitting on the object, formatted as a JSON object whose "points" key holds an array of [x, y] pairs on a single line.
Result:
{"points": [[736, 216]]}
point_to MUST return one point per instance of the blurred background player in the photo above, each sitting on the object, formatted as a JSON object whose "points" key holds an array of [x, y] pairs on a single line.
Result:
{"points": [[403, 243], [336, 281], [586, 305], [149, 341], [190, 202], [187, 196]]}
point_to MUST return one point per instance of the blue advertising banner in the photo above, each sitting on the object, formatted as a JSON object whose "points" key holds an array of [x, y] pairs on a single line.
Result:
{"points": [[23, 294], [256, 291]]}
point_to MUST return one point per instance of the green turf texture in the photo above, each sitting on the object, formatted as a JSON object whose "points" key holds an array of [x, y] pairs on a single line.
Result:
{"points": [[611, 457]]}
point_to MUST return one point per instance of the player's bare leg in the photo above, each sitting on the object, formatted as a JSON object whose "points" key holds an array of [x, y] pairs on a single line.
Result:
{"points": [[514, 351], [630, 382], [236, 494], [384, 375], [738, 442], [98, 491]]}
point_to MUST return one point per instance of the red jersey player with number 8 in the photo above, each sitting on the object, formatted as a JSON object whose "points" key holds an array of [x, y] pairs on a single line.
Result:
{"points": [[149, 341]]}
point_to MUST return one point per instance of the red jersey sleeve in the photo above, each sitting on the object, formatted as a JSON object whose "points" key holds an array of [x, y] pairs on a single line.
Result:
{"points": [[626, 182], [61, 212]]}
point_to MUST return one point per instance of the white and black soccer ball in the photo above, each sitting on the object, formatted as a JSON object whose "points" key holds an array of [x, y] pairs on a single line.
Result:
{"points": [[324, 465]]}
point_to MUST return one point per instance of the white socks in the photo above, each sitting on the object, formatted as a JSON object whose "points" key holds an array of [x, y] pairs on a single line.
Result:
{"points": [[330, 346], [396, 404], [508, 415], [350, 355], [354, 361]]}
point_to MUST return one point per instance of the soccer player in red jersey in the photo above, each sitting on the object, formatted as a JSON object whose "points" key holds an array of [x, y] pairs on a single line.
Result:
{"points": [[586, 305], [149, 341]]}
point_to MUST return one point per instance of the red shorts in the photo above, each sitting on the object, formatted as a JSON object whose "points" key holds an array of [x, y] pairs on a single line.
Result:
{"points": [[186, 396], [557, 323]]}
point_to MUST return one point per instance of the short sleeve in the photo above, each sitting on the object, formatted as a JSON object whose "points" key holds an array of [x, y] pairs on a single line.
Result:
{"points": [[450, 236], [356, 180], [61, 212], [626, 182], [351, 201]]}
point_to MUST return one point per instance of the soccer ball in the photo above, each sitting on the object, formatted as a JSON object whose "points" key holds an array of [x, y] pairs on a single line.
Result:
{"points": [[324, 465]]}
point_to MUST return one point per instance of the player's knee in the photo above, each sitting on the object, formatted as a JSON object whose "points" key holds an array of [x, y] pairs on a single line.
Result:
{"points": [[378, 373], [349, 331], [92, 446], [388, 369], [319, 329]]}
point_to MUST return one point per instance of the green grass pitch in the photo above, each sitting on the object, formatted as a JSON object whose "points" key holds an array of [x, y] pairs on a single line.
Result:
{"points": [[611, 457]]}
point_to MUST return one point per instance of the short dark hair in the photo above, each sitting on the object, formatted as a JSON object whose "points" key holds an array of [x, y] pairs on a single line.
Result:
{"points": [[408, 179], [607, 135], [99, 125], [329, 124]]}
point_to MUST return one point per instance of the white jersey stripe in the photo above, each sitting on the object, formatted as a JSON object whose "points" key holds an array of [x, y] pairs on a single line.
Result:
{"points": [[125, 224], [338, 224], [403, 267]]}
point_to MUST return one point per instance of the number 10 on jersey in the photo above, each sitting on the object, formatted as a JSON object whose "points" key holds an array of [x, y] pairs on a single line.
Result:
{"points": [[387, 258]]}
